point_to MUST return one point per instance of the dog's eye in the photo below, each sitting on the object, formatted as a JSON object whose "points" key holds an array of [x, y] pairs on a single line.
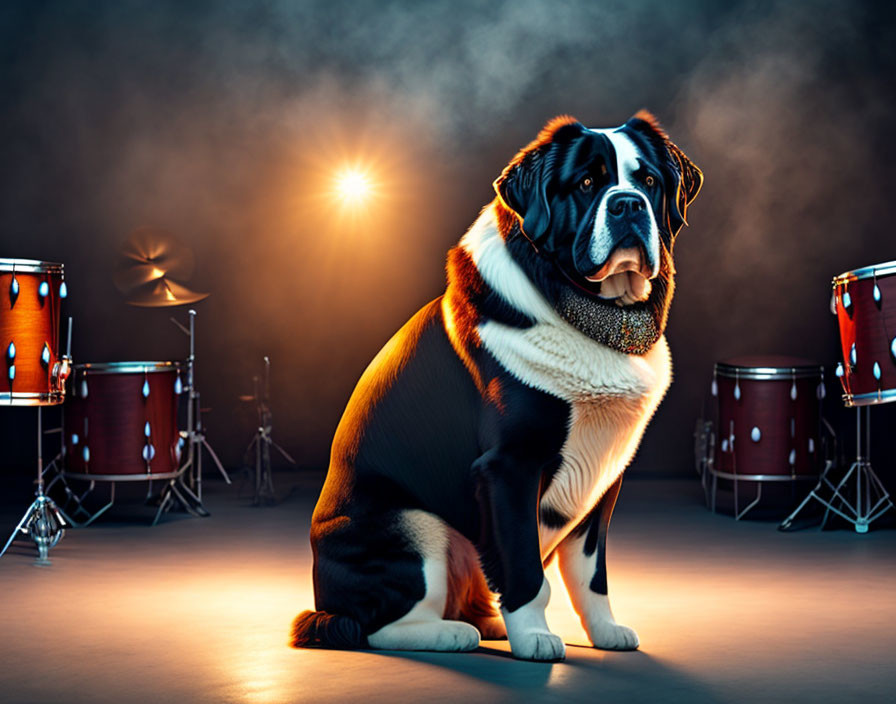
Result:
{"points": [[649, 181], [585, 184]]}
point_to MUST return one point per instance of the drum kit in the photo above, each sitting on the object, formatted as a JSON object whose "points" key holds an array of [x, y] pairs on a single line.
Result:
{"points": [[120, 420], [769, 426]]}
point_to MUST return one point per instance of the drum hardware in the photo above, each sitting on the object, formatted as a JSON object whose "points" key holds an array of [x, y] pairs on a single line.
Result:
{"points": [[863, 301], [194, 434], [872, 499], [43, 521], [769, 417], [262, 441]]}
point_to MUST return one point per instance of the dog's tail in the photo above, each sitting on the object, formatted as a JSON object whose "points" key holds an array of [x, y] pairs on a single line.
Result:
{"points": [[319, 629]]}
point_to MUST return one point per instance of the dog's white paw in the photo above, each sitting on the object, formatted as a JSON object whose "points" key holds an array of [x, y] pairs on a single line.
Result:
{"points": [[537, 645], [456, 636], [609, 635]]}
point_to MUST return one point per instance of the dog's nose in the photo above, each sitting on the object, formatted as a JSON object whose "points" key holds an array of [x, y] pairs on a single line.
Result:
{"points": [[624, 204]]}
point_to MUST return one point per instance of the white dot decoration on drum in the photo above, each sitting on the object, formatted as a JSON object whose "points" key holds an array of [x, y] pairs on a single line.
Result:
{"points": [[755, 434], [147, 431], [792, 458], [145, 389], [793, 391], [838, 372], [847, 300], [852, 355], [43, 290], [14, 289], [148, 452], [12, 372], [893, 349], [63, 290], [737, 390], [725, 445], [876, 294], [876, 371], [820, 391], [85, 453], [84, 387], [811, 445], [178, 385], [45, 354], [11, 351], [75, 438]]}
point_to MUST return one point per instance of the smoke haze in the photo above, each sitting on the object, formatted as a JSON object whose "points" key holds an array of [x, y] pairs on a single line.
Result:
{"points": [[222, 122]]}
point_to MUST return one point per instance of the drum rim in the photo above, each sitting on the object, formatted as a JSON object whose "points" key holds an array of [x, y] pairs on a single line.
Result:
{"points": [[805, 371], [128, 367], [32, 398], [30, 266], [882, 269], [869, 398]]}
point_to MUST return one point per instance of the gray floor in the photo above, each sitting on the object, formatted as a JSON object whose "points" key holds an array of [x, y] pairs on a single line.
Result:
{"points": [[198, 610]]}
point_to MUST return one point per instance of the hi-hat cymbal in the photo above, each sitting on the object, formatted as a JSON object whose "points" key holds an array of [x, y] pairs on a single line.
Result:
{"points": [[163, 292]]}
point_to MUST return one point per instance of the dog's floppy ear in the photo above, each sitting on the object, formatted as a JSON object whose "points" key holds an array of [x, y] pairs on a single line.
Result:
{"points": [[524, 185], [690, 178]]}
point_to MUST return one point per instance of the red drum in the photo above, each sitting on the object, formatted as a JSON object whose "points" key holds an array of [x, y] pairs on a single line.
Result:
{"points": [[865, 305], [121, 421], [30, 300], [769, 418]]}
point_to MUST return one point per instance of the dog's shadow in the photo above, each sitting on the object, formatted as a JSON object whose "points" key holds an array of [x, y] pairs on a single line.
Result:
{"points": [[586, 673]]}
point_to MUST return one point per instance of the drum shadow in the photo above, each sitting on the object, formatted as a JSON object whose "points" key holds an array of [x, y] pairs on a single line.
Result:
{"points": [[586, 674]]}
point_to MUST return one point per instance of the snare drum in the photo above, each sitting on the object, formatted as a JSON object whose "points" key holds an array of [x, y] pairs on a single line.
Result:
{"points": [[30, 301], [865, 305], [121, 421], [769, 418]]}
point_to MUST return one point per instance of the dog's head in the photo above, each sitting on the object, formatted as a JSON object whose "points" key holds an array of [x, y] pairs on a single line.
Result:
{"points": [[603, 207]]}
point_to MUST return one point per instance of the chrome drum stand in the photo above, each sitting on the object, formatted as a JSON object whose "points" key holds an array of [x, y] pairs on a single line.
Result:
{"points": [[43, 521], [263, 441], [871, 500]]}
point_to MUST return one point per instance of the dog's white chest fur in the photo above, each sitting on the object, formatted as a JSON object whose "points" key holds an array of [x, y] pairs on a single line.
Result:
{"points": [[612, 395], [612, 398]]}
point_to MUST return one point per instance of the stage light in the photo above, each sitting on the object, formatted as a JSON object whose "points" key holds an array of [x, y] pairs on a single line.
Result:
{"points": [[353, 186]]}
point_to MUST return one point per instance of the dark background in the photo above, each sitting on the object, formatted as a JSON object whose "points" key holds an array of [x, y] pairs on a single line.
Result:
{"points": [[222, 122]]}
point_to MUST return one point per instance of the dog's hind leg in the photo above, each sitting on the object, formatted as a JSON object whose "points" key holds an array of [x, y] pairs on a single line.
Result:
{"points": [[583, 565], [469, 598], [423, 627]]}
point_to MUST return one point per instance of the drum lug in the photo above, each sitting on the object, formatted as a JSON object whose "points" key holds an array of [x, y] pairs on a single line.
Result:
{"points": [[60, 373]]}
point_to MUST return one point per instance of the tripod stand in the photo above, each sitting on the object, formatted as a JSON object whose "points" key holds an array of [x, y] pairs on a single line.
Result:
{"points": [[194, 434], [43, 521], [262, 442], [872, 500]]}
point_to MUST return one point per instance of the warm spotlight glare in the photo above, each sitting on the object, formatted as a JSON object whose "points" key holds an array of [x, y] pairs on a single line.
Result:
{"points": [[353, 186]]}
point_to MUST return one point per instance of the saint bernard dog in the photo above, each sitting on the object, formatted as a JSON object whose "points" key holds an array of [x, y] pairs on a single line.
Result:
{"points": [[490, 434]]}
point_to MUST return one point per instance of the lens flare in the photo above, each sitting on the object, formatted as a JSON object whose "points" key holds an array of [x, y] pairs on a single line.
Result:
{"points": [[353, 186]]}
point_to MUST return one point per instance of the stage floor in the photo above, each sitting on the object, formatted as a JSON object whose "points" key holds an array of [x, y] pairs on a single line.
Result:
{"points": [[198, 610]]}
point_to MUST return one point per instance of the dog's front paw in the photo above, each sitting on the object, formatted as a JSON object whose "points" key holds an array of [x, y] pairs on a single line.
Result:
{"points": [[609, 635], [537, 645]]}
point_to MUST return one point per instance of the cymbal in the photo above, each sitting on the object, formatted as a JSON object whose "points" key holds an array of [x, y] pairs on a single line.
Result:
{"points": [[163, 292], [151, 263], [149, 254]]}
